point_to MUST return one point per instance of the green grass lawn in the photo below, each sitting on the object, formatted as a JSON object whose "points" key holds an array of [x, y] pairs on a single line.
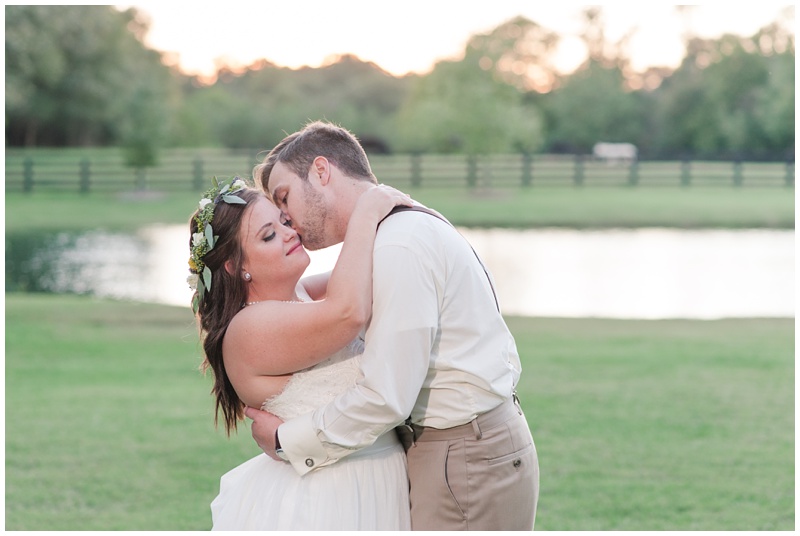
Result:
{"points": [[661, 425], [639, 425], [599, 207]]}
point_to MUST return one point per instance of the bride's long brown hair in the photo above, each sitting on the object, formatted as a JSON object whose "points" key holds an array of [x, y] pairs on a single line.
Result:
{"points": [[217, 307]]}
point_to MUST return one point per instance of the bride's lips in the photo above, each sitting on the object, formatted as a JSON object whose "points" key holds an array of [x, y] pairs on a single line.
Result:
{"points": [[294, 248]]}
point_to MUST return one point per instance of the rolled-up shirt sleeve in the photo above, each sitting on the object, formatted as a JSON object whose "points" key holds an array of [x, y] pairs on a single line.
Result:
{"points": [[399, 341]]}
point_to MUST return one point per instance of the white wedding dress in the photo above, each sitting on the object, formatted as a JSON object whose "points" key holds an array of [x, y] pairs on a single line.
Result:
{"points": [[367, 490]]}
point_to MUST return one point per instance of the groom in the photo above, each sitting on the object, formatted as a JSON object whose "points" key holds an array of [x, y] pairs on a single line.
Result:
{"points": [[439, 363]]}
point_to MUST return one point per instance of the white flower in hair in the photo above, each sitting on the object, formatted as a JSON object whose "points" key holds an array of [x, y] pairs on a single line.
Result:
{"points": [[198, 239], [204, 240], [192, 280]]}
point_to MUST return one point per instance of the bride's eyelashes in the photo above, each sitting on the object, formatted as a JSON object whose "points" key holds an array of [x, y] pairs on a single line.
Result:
{"points": [[287, 223]]}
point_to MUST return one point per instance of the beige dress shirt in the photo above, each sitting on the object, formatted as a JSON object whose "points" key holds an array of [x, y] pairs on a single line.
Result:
{"points": [[437, 348]]}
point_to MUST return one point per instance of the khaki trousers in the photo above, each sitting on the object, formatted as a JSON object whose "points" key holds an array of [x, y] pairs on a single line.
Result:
{"points": [[483, 475]]}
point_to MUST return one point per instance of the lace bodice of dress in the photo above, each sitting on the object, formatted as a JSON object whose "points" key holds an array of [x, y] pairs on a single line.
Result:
{"points": [[316, 386]]}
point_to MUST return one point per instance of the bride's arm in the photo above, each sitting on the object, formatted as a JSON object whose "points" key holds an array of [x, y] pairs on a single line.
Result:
{"points": [[275, 338]]}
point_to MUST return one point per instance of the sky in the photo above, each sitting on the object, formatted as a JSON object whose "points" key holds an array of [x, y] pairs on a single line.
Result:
{"points": [[411, 36]]}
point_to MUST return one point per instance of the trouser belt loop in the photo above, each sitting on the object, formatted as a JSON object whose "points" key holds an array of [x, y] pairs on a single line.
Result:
{"points": [[477, 429], [515, 398], [407, 425]]}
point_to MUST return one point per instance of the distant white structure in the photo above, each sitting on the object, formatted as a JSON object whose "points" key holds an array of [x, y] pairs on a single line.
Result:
{"points": [[615, 153]]}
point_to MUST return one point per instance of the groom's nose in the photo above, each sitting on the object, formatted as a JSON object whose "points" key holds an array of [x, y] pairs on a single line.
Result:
{"points": [[288, 219]]}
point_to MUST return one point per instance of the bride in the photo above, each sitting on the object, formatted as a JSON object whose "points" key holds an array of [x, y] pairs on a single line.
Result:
{"points": [[289, 346]]}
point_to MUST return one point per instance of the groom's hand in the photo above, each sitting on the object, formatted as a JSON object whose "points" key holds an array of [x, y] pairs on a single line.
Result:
{"points": [[265, 426]]}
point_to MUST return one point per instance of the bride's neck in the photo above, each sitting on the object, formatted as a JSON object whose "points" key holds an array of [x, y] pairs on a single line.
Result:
{"points": [[274, 294]]}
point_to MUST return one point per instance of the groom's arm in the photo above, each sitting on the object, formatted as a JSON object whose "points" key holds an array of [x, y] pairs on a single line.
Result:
{"points": [[394, 365], [265, 433]]}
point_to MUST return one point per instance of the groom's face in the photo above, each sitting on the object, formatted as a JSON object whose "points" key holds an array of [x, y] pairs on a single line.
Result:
{"points": [[302, 204]]}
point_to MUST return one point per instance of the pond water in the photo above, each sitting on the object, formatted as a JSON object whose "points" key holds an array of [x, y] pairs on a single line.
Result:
{"points": [[643, 273]]}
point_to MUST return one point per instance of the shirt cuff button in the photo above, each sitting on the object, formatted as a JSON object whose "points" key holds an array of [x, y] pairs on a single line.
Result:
{"points": [[309, 462]]}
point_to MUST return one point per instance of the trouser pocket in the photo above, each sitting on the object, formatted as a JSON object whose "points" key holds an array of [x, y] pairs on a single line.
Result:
{"points": [[437, 471]]}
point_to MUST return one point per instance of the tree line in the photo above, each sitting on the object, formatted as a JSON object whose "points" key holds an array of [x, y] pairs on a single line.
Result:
{"points": [[82, 76]]}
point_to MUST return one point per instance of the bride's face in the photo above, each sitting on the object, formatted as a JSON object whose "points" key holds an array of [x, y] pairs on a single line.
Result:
{"points": [[272, 249]]}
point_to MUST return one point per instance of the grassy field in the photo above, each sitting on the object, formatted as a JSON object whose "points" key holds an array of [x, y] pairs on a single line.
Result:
{"points": [[694, 207], [640, 425]]}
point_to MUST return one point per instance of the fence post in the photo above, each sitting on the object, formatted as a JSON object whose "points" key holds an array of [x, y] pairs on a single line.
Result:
{"points": [[790, 173], [251, 165], [527, 169], [487, 171], [141, 179], [686, 172], [737, 172], [578, 170], [472, 170], [416, 169], [197, 174], [27, 175], [633, 177], [85, 175]]}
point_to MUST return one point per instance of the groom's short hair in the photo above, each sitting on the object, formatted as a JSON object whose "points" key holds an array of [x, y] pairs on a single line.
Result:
{"points": [[298, 151]]}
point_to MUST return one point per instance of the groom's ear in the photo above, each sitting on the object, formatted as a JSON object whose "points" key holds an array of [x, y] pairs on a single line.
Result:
{"points": [[321, 167]]}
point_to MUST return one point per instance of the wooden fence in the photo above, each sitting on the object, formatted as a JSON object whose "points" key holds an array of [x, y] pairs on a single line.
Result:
{"points": [[190, 169]]}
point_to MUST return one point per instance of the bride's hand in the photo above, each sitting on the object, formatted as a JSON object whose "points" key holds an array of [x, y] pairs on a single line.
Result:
{"points": [[380, 200]]}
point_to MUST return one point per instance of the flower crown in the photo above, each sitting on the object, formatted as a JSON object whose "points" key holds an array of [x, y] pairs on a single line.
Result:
{"points": [[203, 241]]}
